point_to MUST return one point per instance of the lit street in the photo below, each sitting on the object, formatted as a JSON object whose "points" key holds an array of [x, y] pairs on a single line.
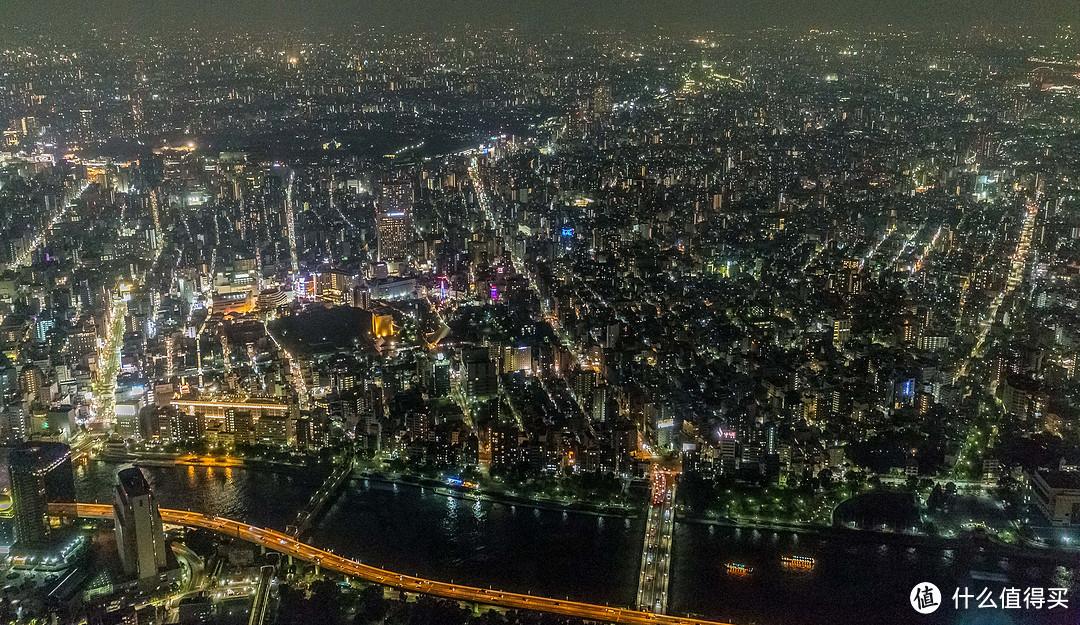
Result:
{"points": [[652, 594], [287, 545]]}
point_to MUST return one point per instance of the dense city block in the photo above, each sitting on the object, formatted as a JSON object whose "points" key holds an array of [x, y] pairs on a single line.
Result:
{"points": [[784, 280]]}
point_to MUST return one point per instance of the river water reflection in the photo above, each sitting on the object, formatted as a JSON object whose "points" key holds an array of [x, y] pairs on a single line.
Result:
{"points": [[418, 530]]}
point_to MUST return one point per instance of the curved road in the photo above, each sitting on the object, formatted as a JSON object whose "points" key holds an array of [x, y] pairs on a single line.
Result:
{"points": [[285, 544]]}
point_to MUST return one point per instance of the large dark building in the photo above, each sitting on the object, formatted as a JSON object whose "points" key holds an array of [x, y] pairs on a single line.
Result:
{"points": [[139, 536], [395, 206], [479, 376], [39, 473]]}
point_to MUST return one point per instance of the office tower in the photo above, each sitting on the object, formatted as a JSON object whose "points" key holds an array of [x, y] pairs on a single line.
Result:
{"points": [[139, 537], [9, 382], [28, 503], [602, 101], [394, 212], [441, 376], [86, 124], [479, 375], [15, 421], [503, 441], [841, 331], [39, 473], [7, 509], [32, 381]]}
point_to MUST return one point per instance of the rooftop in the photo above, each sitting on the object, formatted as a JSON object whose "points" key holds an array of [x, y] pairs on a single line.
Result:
{"points": [[133, 482]]}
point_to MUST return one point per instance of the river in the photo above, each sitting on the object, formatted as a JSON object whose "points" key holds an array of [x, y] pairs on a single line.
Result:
{"points": [[592, 558]]}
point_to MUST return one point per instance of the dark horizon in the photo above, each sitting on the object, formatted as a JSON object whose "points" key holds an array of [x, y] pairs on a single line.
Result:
{"points": [[536, 16], [525, 312]]}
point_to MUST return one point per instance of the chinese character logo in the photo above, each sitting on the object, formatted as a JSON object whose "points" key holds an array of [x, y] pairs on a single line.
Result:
{"points": [[925, 598]]}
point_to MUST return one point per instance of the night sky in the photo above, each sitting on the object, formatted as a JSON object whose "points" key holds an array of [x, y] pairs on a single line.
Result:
{"points": [[537, 15]]}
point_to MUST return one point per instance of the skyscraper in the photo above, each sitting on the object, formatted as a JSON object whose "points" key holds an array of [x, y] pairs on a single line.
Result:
{"points": [[478, 373], [139, 537], [394, 213], [39, 473], [32, 381], [441, 377], [601, 101], [28, 501]]}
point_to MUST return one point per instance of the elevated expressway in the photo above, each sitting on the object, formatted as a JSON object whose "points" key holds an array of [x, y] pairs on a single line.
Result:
{"points": [[283, 543]]}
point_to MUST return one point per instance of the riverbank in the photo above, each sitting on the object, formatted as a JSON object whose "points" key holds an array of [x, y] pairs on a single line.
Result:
{"points": [[821, 530], [907, 539], [461, 492], [163, 459], [414, 529]]}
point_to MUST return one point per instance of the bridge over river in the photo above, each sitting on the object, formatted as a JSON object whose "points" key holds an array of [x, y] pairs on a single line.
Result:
{"points": [[283, 543]]}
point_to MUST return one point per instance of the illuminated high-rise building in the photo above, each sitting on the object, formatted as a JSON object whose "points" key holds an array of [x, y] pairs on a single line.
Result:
{"points": [[394, 213], [441, 376], [503, 440], [139, 536], [7, 508], [478, 373], [841, 328], [39, 473], [86, 124], [32, 381], [602, 104]]}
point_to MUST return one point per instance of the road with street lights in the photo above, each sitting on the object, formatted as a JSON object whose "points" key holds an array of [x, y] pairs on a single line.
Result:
{"points": [[285, 544], [652, 594]]}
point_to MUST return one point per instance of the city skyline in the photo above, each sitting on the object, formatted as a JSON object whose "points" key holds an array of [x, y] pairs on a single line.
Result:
{"points": [[504, 326]]}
